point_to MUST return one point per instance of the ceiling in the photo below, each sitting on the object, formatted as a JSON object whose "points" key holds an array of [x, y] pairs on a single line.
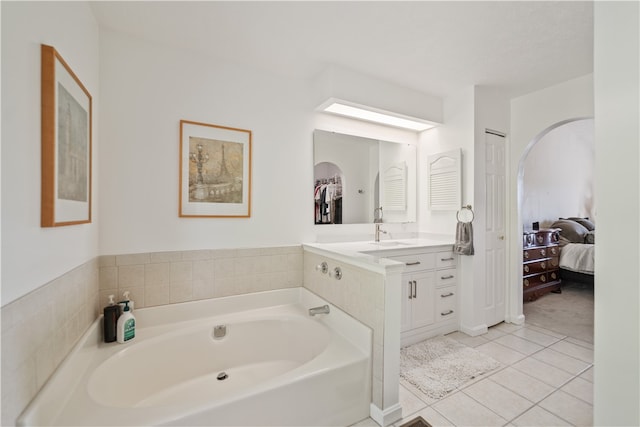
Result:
{"points": [[429, 46]]}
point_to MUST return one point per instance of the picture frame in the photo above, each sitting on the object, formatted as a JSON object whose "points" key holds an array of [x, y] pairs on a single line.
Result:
{"points": [[215, 171], [66, 142]]}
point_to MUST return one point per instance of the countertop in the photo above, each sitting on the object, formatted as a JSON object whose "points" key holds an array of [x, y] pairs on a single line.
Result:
{"points": [[374, 255]]}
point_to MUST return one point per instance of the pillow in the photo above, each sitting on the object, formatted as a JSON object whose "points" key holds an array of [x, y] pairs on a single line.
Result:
{"points": [[571, 230], [584, 222], [590, 238]]}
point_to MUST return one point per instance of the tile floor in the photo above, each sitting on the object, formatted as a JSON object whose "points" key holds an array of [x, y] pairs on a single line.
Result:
{"points": [[546, 380]]}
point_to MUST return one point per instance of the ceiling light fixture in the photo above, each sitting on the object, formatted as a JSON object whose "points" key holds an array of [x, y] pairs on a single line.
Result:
{"points": [[361, 112]]}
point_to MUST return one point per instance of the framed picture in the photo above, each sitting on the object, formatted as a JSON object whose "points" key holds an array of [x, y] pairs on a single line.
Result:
{"points": [[66, 143], [215, 171]]}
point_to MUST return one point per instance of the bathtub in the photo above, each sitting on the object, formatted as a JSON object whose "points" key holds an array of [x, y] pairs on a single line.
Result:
{"points": [[275, 365]]}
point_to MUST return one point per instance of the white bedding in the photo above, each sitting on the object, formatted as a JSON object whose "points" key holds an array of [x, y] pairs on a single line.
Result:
{"points": [[578, 257]]}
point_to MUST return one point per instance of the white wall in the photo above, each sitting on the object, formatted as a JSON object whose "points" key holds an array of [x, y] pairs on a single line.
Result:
{"points": [[617, 281], [532, 116], [147, 90], [31, 255], [558, 175]]}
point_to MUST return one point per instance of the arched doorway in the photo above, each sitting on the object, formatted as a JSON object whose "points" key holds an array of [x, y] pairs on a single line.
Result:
{"points": [[550, 198]]}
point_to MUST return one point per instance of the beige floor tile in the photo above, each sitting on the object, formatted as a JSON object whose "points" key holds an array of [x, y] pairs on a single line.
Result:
{"points": [[410, 403], [507, 328], [580, 388], [493, 333], [561, 360], [539, 417], [545, 331], [581, 343], [519, 344], [537, 337], [522, 384], [588, 374], [467, 339], [499, 399], [367, 422], [542, 371], [462, 410], [502, 354], [416, 392], [570, 408], [434, 418], [573, 350]]}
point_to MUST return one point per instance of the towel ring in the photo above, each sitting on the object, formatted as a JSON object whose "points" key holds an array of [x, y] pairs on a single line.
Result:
{"points": [[466, 207]]}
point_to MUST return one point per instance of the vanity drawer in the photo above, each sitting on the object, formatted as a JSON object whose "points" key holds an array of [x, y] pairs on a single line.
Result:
{"points": [[446, 277], [445, 259], [446, 303], [416, 262]]}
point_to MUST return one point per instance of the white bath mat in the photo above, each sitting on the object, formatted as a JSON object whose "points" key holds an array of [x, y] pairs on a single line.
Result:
{"points": [[439, 365]]}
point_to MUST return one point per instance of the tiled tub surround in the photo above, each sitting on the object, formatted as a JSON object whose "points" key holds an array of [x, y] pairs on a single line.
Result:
{"points": [[40, 329], [161, 278]]}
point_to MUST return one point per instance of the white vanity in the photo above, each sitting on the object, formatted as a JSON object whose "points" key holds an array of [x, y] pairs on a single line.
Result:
{"points": [[404, 290], [429, 292]]}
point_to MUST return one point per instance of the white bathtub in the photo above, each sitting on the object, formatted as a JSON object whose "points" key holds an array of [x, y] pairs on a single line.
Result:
{"points": [[280, 367]]}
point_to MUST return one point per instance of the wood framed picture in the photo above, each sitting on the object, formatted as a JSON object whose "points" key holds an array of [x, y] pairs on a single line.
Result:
{"points": [[215, 171], [66, 143]]}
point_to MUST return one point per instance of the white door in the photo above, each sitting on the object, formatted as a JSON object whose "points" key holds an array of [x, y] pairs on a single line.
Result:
{"points": [[495, 280]]}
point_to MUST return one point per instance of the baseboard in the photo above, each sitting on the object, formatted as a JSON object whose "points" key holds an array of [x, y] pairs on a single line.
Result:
{"points": [[474, 331], [387, 416]]}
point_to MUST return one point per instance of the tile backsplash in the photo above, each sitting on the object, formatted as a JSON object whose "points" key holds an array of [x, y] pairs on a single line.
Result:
{"points": [[40, 328], [170, 277]]}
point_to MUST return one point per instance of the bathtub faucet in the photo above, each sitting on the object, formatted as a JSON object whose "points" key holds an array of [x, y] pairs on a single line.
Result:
{"points": [[319, 310]]}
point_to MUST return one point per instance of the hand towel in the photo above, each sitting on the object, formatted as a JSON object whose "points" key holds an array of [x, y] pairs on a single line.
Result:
{"points": [[464, 239]]}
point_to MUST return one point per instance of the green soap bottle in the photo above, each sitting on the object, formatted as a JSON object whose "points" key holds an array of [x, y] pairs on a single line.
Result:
{"points": [[126, 325]]}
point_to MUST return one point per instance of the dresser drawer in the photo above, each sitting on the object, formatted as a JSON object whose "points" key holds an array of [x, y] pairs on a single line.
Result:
{"points": [[553, 251], [535, 267], [553, 275], [446, 277], [445, 259], [534, 253], [417, 262], [446, 303], [534, 280]]}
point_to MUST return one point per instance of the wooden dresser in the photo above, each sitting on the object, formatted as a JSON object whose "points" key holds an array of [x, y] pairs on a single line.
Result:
{"points": [[540, 263]]}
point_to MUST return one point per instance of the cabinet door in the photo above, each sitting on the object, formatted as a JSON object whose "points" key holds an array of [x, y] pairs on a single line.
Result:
{"points": [[423, 302], [407, 299]]}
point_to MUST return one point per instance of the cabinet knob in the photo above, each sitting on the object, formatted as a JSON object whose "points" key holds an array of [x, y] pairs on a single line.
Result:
{"points": [[526, 254], [543, 252], [526, 268], [543, 265], [543, 279], [526, 282]]}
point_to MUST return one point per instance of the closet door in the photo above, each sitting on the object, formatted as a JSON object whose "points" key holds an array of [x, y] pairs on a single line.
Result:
{"points": [[495, 254]]}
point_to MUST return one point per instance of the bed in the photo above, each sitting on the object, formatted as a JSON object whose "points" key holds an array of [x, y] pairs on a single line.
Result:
{"points": [[577, 249]]}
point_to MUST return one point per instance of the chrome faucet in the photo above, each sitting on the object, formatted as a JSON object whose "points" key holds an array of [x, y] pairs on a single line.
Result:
{"points": [[324, 309], [378, 231]]}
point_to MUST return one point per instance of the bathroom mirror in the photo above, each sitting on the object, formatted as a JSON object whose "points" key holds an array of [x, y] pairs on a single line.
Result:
{"points": [[362, 180]]}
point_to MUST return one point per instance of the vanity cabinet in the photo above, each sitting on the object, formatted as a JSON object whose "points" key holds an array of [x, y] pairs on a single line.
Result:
{"points": [[429, 294]]}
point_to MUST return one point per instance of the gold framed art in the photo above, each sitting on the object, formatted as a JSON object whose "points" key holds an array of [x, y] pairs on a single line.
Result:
{"points": [[215, 171], [66, 119]]}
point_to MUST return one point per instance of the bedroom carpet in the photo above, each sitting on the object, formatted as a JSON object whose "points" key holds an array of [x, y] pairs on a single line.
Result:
{"points": [[569, 313]]}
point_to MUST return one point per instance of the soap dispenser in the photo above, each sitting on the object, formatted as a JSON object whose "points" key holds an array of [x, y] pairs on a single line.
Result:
{"points": [[125, 295], [110, 320], [126, 325]]}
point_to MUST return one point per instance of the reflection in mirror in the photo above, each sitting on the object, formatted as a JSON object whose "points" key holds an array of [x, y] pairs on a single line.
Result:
{"points": [[362, 180]]}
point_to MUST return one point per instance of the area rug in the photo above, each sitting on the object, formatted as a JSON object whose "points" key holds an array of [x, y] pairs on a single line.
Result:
{"points": [[440, 365]]}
